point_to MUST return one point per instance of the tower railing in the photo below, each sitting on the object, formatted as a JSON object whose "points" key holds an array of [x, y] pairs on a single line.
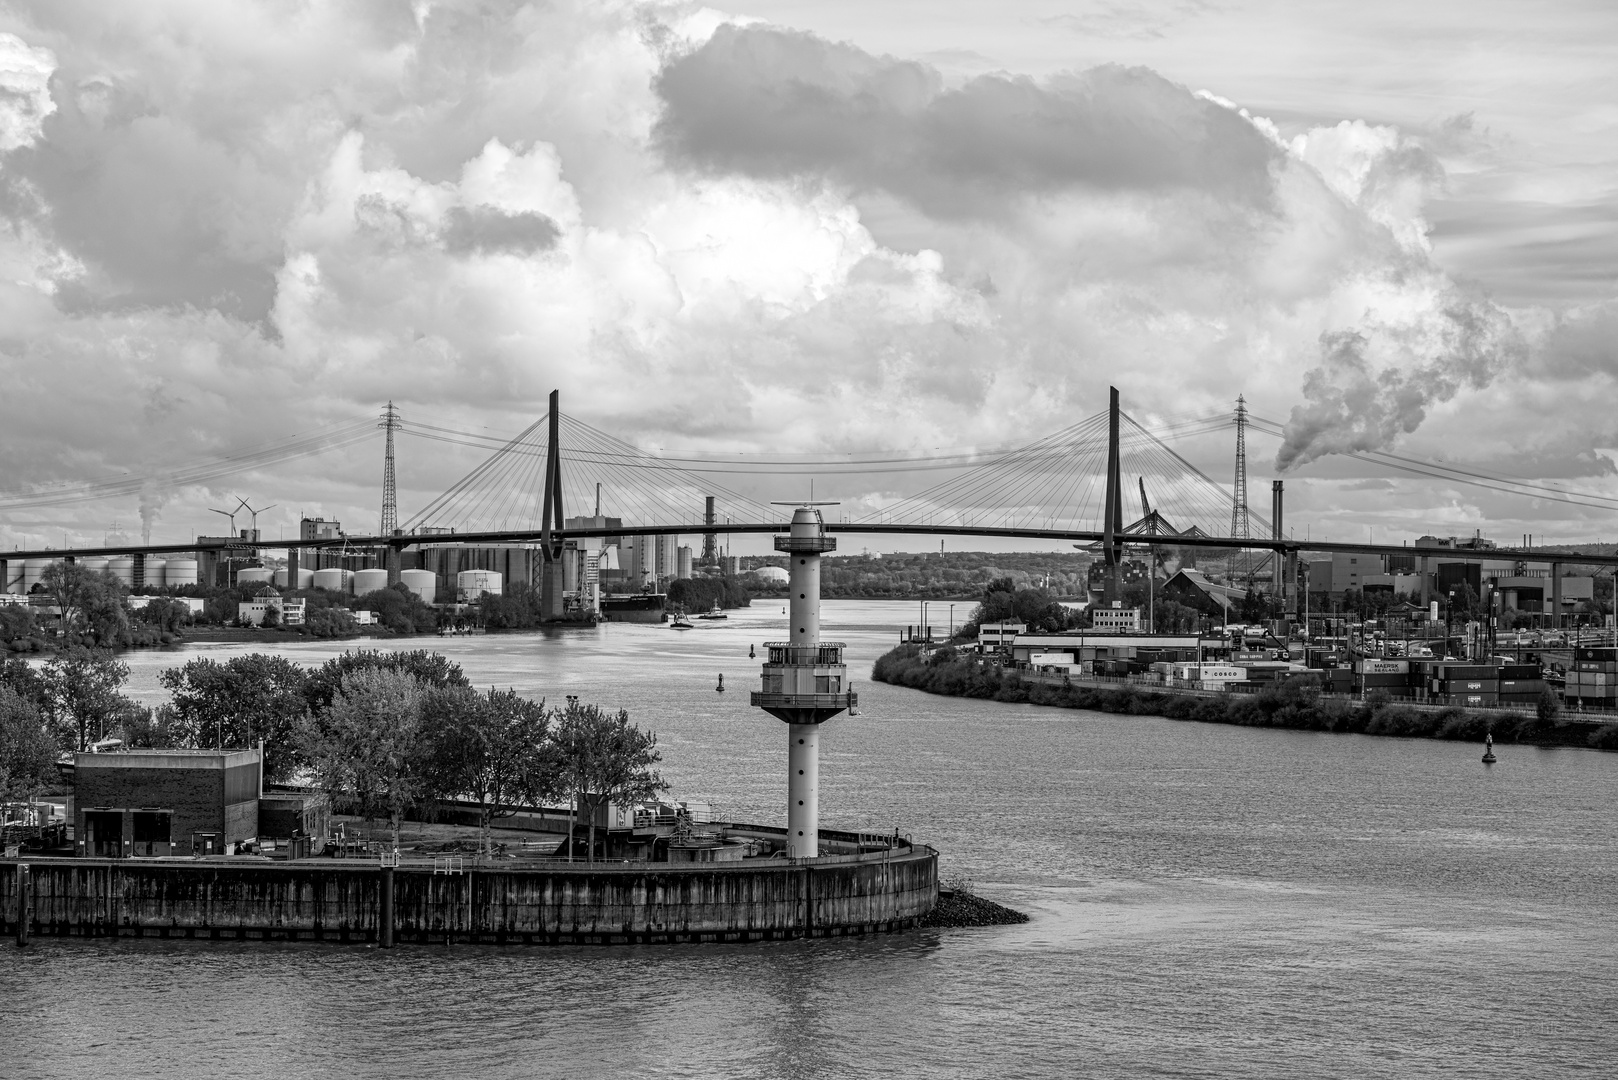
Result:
{"points": [[818, 653]]}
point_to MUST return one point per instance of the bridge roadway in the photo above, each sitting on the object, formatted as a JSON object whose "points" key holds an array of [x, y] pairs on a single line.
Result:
{"points": [[1076, 536]]}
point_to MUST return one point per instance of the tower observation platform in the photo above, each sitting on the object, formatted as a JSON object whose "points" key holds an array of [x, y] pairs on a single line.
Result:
{"points": [[805, 682]]}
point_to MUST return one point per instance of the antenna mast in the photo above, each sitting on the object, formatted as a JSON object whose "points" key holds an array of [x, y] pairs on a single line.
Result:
{"points": [[390, 491], [1239, 524]]}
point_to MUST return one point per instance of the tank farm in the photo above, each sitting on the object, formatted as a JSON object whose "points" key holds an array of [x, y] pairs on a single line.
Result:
{"points": [[811, 882]]}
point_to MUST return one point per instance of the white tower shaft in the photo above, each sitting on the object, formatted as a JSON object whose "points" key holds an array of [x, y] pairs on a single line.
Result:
{"points": [[804, 680]]}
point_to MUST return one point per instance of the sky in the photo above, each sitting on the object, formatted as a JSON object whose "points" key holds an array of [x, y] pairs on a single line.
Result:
{"points": [[807, 228]]}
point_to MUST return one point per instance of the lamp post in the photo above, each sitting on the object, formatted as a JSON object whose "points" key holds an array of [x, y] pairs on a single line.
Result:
{"points": [[951, 624]]}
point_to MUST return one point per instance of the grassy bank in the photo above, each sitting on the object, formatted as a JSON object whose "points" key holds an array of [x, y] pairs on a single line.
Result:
{"points": [[1296, 704]]}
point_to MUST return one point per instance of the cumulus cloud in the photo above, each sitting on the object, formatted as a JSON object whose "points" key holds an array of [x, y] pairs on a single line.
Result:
{"points": [[223, 227], [25, 93], [776, 103]]}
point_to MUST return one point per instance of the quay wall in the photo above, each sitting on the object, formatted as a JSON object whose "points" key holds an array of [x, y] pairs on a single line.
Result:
{"points": [[339, 900]]}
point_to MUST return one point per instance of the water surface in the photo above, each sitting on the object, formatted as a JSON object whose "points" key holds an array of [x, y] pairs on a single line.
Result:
{"points": [[1206, 901]]}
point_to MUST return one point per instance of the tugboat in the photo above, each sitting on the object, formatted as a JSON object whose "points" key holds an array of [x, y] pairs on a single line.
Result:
{"points": [[680, 622], [713, 613], [1488, 749]]}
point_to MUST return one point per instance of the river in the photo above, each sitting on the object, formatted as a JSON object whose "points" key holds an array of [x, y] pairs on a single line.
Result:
{"points": [[1206, 900]]}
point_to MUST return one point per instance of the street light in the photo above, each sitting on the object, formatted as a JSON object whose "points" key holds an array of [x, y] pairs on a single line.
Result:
{"points": [[951, 623]]}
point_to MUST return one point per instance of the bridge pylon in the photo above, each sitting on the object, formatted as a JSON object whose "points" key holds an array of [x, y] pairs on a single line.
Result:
{"points": [[552, 584]]}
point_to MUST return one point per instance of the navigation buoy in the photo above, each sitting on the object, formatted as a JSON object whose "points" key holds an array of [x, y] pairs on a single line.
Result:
{"points": [[721, 687], [751, 655], [1488, 749]]}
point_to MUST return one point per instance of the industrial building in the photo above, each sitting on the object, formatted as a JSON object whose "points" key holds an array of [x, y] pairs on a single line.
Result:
{"points": [[288, 612], [165, 802]]}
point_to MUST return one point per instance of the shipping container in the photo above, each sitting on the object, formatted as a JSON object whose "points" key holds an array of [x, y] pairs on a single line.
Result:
{"points": [[1466, 671], [1476, 701], [1520, 671], [1384, 667], [1370, 681]]}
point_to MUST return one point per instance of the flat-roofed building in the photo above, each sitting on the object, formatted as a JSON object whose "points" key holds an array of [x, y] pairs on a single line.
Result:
{"points": [[165, 802]]}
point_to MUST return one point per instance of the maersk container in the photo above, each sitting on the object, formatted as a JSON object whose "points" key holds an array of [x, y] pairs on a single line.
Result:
{"points": [[424, 583], [333, 579], [370, 581]]}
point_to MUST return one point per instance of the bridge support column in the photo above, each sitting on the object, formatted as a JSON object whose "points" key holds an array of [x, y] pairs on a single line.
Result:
{"points": [[393, 559], [292, 569], [1556, 595]]}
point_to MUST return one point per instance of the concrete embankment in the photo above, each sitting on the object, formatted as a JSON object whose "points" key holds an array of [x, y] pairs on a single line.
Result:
{"points": [[335, 900], [1294, 704]]}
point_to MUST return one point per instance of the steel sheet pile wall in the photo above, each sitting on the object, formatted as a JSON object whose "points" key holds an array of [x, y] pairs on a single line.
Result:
{"points": [[340, 901]]}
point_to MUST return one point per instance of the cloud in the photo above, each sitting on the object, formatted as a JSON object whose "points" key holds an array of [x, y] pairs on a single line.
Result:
{"points": [[486, 228], [25, 94], [774, 103], [221, 227]]}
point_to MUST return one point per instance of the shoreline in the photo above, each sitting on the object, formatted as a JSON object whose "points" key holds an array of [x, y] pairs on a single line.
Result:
{"points": [[1291, 706]]}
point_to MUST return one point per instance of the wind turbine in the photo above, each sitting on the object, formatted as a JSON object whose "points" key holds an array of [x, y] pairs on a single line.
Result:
{"points": [[231, 514], [255, 513]]}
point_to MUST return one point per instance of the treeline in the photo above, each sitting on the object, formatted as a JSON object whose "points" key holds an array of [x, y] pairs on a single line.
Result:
{"points": [[949, 575], [99, 612], [1295, 704], [704, 594], [391, 731]]}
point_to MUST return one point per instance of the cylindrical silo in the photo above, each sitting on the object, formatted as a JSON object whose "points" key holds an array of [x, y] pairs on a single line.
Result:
{"points": [[155, 568], [471, 584], [122, 568], [306, 579], [178, 572], [424, 583], [32, 571], [369, 581], [94, 566], [333, 579], [254, 574]]}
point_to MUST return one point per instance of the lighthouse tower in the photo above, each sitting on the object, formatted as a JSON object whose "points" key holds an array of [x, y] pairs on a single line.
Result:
{"points": [[805, 682]]}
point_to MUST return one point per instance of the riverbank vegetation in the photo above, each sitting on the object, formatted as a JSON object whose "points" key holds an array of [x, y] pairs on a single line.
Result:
{"points": [[388, 733], [1296, 704]]}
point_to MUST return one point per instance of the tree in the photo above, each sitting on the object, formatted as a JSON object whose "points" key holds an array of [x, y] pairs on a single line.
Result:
{"points": [[81, 691], [494, 748], [238, 703], [372, 744], [164, 613], [27, 753], [429, 668], [92, 598], [26, 680], [399, 610], [603, 759], [272, 617], [16, 622]]}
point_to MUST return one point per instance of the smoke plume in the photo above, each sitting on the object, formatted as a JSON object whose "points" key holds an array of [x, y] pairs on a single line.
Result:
{"points": [[152, 500], [1373, 385]]}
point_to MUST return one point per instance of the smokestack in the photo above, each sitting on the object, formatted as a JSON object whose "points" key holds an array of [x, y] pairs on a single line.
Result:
{"points": [[1275, 510]]}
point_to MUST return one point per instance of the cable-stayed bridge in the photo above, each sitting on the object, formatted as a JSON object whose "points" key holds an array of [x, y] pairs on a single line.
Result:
{"points": [[1072, 485]]}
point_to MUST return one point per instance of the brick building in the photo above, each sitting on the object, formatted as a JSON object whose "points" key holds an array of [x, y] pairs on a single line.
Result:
{"points": [[165, 802]]}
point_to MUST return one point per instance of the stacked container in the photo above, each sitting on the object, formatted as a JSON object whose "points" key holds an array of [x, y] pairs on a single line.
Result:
{"points": [[1465, 684], [1593, 678]]}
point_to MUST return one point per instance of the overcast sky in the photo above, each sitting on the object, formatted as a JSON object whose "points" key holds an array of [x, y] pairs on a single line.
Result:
{"points": [[809, 227]]}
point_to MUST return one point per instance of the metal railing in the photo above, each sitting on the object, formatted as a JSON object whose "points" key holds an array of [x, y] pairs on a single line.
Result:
{"points": [[805, 701], [825, 653]]}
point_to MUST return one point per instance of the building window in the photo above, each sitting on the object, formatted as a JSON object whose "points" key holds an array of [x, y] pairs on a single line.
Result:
{"points": [[828, 684], [772, 684]]}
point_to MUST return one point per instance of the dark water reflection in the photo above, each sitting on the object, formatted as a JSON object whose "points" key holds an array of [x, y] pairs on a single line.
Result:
{"points": [[1207, 901]]}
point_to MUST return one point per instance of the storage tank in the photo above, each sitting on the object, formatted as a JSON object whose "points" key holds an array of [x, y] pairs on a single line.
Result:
{"points": [[154, 573], [260, 574], [334, 579], [424, 583], [178, 572], [93, 566], [369, 581], [471, 584], [122, 568], [306, 579], [32, 571]]}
